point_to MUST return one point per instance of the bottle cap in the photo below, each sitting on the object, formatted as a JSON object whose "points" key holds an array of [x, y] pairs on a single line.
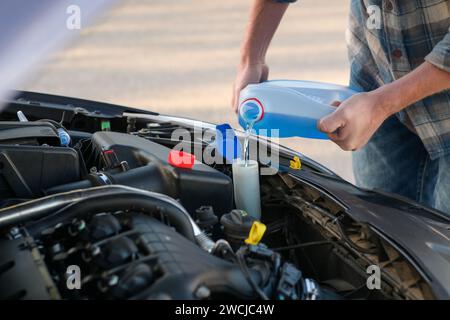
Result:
{"points": [[227, 143], [251, 110], [181, 159], [256, 233], [295, 163]]}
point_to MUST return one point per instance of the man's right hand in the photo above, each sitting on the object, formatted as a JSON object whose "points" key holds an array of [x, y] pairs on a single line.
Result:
{"points": [[247, 74]]}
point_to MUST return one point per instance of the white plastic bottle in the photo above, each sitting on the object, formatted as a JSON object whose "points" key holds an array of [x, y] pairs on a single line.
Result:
{"points": [[246, 187], [292, 106]]}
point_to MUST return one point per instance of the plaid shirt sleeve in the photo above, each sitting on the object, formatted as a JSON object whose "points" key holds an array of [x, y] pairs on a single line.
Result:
{"points": [[440, 55]]}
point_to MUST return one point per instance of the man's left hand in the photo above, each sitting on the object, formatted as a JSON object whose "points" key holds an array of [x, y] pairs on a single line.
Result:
{"points": [[354, 121]]}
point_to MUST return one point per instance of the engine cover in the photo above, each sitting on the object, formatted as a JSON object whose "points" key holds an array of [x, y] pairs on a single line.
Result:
{"points": [[120, 256]]}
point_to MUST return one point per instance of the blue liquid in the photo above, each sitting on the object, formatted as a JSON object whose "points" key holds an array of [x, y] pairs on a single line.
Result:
{"points": [[288, 126]]}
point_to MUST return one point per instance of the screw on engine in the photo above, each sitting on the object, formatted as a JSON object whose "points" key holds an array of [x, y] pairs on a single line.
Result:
{"points": [[14, 233], [76, 227], [203, 292], [95, 251], [113, 280]]}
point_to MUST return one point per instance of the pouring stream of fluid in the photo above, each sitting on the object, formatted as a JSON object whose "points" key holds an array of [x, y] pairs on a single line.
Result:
{"points": [[248, 130]]}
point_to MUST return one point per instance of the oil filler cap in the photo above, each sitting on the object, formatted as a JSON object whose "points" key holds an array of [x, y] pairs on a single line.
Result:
{"points": [[256, 233], [181, 159]]}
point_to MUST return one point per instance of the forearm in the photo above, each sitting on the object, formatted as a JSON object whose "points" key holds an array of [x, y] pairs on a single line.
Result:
{"points": [[420, 83], [265, 16]]}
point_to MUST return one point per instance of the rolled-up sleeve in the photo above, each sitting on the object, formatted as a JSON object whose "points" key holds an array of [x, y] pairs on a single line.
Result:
{"points": [[440, 55]]}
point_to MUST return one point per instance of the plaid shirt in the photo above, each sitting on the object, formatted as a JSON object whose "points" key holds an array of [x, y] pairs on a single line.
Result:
{"points": [[411, 32]]}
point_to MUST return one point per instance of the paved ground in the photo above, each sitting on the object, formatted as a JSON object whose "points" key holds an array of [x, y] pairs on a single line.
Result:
{"points": [[179, 57]]}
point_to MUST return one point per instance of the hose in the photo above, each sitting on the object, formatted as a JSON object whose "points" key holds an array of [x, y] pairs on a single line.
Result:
{"points": [[107, 198], [151, 177]]}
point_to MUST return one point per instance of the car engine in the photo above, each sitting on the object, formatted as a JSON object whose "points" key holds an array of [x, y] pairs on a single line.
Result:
{"points": [[109, 205]]}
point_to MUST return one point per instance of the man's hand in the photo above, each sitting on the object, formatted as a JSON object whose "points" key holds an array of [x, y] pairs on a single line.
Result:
{"points": [[357, 119], [354, 121], [247, 74]]}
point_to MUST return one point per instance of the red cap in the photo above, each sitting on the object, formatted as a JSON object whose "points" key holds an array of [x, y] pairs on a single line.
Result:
{"points": [[181, 159]]}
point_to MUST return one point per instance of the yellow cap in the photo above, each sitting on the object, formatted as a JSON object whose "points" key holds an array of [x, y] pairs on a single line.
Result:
{"points": [[256, 233], [295, 163]]}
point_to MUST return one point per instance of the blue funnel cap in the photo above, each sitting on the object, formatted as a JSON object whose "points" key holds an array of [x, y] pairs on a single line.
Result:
{"points": [[227, 144]]}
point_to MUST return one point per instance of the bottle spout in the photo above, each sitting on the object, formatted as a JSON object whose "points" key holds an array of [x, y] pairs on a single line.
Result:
{"points": [[251, 110]]}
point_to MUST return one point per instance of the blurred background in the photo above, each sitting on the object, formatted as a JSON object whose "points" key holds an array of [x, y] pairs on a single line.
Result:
{"points": [[179, 57]]}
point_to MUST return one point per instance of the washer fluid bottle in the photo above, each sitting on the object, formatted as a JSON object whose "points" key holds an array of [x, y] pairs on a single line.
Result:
{"points": [[292, 106]]}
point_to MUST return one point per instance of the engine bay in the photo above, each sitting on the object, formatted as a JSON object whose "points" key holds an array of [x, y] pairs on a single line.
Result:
{"points": [[102, 195]]}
